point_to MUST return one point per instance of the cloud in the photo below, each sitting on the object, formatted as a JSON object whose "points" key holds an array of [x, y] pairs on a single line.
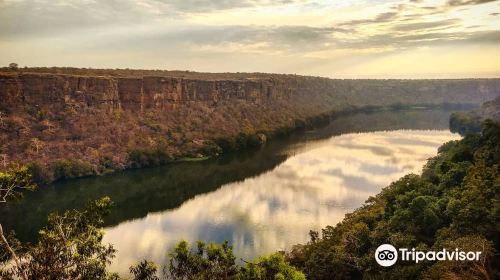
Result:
{"points": [[393, 42], [54, 17], [485, 37], [301, 40], [252, 38], [43, 17], [467, 2], [426, 25], [187, 6], [383, 17], [297, 32]]}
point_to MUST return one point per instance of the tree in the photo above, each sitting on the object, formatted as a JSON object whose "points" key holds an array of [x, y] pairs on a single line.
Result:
{"points": [[144, 270], [273, 267], [11, 182], [4, 159], [13, 66], [216, 261], [465, 270], [37, 144], [14, 180], [2, 121], [69, 247], [207, 262]]}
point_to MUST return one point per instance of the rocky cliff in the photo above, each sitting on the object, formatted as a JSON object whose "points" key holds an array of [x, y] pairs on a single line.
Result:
{"points": [[110, 122], [135, 94], [162, 93]]}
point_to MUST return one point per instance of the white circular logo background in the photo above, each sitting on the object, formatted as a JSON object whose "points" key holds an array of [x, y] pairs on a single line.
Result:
{"points": [[386, 255]]}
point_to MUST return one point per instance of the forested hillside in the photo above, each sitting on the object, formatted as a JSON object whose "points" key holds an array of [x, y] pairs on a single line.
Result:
{"points": [[68, 122], [455, 203]]}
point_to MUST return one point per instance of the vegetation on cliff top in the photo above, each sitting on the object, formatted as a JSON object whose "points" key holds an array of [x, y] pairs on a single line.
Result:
{"points": [[455, 203]]}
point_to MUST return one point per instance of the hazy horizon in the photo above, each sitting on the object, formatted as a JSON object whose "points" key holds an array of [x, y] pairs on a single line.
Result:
{"points": [[336, 39]]}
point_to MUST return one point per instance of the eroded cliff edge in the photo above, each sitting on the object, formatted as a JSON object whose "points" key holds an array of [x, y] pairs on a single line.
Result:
{"points": [[83, 124]]}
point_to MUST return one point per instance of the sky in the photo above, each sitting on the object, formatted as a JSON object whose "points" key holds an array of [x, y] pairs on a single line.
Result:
{"points": [[330, 38]]}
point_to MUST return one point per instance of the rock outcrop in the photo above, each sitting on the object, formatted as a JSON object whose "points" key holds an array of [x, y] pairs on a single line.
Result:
{"points": [[144, 93]]}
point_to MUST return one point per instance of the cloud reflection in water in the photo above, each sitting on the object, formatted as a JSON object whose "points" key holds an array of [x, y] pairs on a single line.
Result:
{"points": [[314, 187]]}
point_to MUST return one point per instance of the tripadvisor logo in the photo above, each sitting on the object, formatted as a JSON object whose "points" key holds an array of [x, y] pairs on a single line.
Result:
{"points": [[387, 255]]}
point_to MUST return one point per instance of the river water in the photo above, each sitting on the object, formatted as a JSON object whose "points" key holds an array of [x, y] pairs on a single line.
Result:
{"points": [[260, 201]]}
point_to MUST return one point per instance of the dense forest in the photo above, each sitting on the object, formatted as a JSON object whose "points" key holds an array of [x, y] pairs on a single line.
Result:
{"points": [[455, 203]]}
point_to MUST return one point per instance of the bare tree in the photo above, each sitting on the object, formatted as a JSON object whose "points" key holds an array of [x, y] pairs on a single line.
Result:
{"points": [[12, 252], [4, 158], [37, 144], [50, 126], [2, 121], [10, 182]]}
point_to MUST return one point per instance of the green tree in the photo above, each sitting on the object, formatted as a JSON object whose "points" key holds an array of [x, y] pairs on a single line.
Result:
{"points": [[206, 262], [273, 267], [144, 270], [464, 270], [13, 181], [216, 261], [69, 247]]}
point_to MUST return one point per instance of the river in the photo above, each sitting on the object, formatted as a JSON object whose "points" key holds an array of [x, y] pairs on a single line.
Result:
{"points": [[259, 200]]}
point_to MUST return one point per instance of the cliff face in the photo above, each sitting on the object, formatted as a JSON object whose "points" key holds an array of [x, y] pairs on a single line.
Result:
{"points": [[144, 93], [135, 94], [48, 117]]}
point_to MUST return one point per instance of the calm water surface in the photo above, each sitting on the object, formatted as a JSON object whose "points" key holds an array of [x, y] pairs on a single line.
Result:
{"points": [[261, 201]]}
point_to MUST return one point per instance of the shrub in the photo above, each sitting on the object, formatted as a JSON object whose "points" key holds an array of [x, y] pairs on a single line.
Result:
{"points": [[210, 148], [40, 174], [148, 157], [465, 123], [270, 267], [206, 262], [227, 144], [68, 169]]}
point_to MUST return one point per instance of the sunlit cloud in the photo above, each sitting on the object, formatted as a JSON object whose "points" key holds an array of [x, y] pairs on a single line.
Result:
{"points": [[316, 37]]}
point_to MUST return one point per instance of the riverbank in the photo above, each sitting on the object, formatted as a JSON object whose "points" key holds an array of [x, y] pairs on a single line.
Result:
{"points": [[66, 169], [139, 194], [162, 188], [470, 122]]}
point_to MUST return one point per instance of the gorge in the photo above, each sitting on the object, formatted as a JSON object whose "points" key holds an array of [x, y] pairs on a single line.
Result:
{"points": [[76, 122], [260, 200]]}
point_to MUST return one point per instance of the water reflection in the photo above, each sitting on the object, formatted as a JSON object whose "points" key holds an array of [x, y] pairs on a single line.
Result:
{"points": [[260, 200], [314, 187]]}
